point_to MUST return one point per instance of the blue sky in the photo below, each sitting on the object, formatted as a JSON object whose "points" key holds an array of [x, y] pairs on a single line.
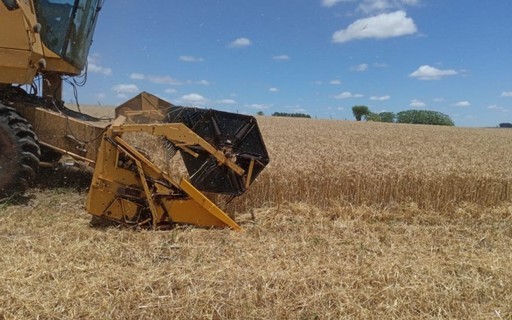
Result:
{"points": [[319, 57]]}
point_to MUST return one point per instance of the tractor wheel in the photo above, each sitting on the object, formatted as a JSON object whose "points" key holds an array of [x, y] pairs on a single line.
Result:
{"points": [[19, 153]]}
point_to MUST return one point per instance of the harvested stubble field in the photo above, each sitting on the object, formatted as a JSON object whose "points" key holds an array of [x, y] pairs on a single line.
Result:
{"points": [[350, 220]]}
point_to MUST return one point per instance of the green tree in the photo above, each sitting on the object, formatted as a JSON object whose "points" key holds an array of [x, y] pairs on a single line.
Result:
{"points": [[387, 116], [260, 113], [372, 117], [424, 117], [360, 111]]}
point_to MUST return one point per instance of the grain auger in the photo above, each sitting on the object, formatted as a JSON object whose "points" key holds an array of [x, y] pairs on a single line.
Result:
{"points": [[222, 152]]}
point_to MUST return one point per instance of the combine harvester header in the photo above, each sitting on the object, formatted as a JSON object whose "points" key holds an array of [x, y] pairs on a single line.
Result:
{"points": [[222, 152]]}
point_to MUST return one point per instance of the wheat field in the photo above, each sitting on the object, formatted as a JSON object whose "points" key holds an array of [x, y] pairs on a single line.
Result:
{"points": [[381, 164], [349, 221]]}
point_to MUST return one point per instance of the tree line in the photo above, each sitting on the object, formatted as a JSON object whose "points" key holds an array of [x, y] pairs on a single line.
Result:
{"points": [[407, 116], [286, 114]]}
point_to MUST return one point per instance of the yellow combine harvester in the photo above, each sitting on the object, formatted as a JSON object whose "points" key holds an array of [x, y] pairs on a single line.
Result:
{"points": [[43, 42]]}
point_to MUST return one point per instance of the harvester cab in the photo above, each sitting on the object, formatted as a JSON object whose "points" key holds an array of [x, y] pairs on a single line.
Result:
{"points": [[47, 38]]}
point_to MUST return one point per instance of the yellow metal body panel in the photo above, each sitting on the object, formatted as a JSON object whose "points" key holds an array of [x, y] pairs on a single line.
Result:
{"points": [[16, 66], [213, 212], [14, 29], [55, 64], [22, 53], [21, 49], [75, 137]]}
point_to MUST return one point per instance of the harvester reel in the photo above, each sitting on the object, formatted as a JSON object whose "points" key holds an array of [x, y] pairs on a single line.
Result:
{"points": [[236, 135]]}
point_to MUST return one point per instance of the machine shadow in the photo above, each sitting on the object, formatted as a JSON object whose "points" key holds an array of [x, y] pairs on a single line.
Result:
{"points": [[64, 177]]}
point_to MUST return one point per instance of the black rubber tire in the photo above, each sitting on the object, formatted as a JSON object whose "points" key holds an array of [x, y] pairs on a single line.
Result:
{"points": [[19, 153]]}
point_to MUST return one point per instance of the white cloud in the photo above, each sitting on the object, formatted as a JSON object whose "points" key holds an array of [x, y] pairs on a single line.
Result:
{"points": [[335, 82], [462, 104], [427, 72], [194, 99], [226, 101], [125, 88], [506, 94], [498, 108], [415, 103], [91, 67], [330, 3], [203, 82], [380, 65], [258, 106], [438, 99], [94, 65], [155, 79], [191, 59], [240, 43], [137, 76], [360, 67], [382, 98], [282, 57], [347, 94], [163, 80], [273, 89], [370, 6], [385, 25], [170, 90]]}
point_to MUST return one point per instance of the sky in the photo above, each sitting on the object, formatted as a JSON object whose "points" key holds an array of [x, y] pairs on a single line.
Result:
{"points": [[319, 57]]}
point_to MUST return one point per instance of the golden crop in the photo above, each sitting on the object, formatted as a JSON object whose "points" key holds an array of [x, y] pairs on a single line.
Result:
{"points": [[349, 221], [322, 162]]}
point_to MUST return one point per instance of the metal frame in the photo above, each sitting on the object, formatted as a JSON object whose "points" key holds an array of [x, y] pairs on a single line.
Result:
{"points": [[127, 187]]}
